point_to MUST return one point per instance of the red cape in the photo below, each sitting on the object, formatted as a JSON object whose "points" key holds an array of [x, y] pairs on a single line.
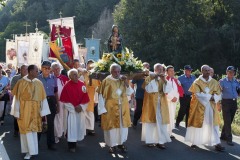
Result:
{"points": [[74, 93], [180, 89], [63, 79]]}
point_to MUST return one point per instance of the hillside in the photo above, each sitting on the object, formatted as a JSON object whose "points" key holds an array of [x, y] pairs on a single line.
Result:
{"points": [[88, 13]]}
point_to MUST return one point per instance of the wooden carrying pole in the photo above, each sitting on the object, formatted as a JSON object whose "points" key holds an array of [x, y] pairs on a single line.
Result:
{"points": [[56, 51]]}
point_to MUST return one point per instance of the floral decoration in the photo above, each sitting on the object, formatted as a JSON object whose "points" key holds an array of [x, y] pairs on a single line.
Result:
{"points": [[126, 60]]}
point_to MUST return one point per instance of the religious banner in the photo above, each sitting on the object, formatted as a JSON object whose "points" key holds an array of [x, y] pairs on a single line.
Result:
{"points": [[92, 46], [45, 50], [22, 52], [82, 51], [61, 36], [35, 49], [11, 52], [22, 37], [67, 22]]}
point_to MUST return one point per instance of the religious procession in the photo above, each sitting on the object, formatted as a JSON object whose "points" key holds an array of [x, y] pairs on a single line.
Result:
{"points": [[59, 92]]}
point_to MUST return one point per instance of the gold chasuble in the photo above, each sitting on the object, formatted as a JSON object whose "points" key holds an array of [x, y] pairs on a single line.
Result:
{"points": [[196, 112], [91, 89], [111, 119], [30, 94], [150, 102]]}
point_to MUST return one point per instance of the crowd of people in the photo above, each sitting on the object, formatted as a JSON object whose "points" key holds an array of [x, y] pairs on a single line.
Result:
{"points": [[70, 103]]}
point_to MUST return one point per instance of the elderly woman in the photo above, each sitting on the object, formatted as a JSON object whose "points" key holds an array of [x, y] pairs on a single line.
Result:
{"points": [[114, 108], [75, 99]]}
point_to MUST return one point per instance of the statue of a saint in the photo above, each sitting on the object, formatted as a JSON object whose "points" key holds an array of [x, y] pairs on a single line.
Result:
{"points": [[115, 40]]}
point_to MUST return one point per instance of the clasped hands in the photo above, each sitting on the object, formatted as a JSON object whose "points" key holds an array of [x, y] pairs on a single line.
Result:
{"points": [[212, 98], [218, 104], [161, 75], [78, 109], [174, 99]]}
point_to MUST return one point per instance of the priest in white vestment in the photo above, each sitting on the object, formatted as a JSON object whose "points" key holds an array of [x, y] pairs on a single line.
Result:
{"points": [[114, 109], [155, 113], [29, 106], [203, 121], [75, 98]]}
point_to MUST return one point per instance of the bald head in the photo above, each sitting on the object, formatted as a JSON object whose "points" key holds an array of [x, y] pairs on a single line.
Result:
{"points": [[211, 72], [9, 65], [24, 70], [146, 65], [205, 69]]}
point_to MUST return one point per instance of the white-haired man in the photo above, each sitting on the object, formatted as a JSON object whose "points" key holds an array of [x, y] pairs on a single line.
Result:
{"points": [[203, 120], [114, 108], [58, 120], [155, 113], [75, 99]]}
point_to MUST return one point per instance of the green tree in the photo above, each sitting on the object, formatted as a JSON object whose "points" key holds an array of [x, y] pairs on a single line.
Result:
{"points": [[2, 2], [182, 32], [87, 13]]}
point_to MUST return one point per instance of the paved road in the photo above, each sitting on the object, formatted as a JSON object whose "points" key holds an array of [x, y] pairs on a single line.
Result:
{"points": [[92, 148]]}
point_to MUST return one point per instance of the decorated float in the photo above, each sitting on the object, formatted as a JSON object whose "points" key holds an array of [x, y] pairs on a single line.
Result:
{"points": [[130, 66]]}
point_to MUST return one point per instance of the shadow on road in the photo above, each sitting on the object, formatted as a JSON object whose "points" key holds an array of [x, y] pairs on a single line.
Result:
{"points": [[92, 148]]}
